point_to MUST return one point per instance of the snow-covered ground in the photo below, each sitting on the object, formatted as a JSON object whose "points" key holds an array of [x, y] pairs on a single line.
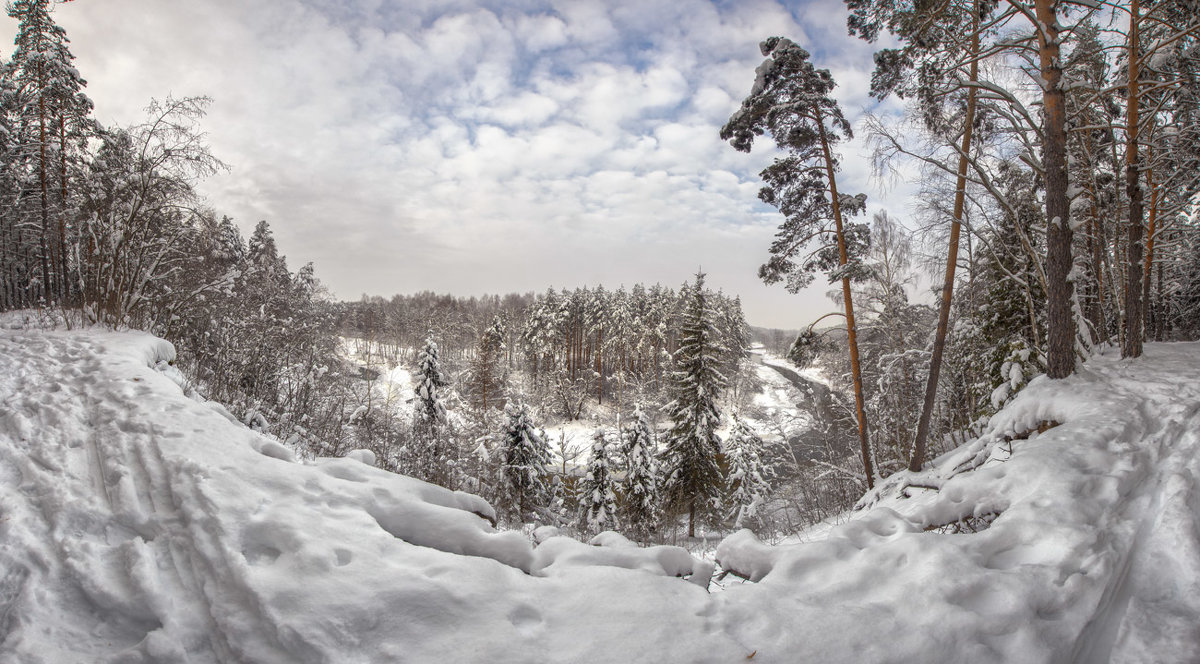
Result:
{"points": [[140, 525], [393, 385]]}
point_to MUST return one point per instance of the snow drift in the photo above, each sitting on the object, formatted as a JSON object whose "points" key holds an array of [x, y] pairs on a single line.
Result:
{"points": [[140, 525]]}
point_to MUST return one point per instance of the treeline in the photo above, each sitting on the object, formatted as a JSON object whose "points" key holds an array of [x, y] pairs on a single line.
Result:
{"points": [[103, 225], [562, 349], [677, 351]]}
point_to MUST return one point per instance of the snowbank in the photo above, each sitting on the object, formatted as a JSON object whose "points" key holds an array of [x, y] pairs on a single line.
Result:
{"points": [[1018, 546], [137, 524]]}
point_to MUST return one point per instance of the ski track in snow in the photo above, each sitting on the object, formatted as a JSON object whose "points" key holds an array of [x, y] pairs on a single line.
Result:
{"points": [[1148, 612], [129, 545], [137, 525]]}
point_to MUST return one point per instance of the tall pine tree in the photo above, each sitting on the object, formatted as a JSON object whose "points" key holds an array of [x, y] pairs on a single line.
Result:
{"points": [[793, 101], [51, 126]]}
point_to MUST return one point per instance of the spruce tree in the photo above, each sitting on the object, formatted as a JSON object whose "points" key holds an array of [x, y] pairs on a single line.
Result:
{"points": [[596, 493], [692, 480], [748, 476], [433, 457], [524, 459], [641, 476]]}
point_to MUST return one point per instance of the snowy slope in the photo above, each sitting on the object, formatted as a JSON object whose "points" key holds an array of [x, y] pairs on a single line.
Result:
{"points": [[140, 525], [137, 525], [1094, 555]]}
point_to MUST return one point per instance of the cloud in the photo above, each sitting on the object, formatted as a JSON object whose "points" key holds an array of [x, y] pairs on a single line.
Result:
{"points": [[480, 145]]}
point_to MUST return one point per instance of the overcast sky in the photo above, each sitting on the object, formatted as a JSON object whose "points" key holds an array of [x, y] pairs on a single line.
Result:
{"points": [[476, 146]]}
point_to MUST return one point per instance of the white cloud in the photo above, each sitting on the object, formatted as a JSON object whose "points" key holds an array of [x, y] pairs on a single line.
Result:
{"points": [[472, 146]]}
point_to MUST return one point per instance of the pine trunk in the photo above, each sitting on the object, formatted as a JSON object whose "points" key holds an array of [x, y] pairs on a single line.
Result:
{"points": [[1151, 312], [851, 330], [960, 193], [1132, 347], [47, 280], [1060, 320], [63, 256]]}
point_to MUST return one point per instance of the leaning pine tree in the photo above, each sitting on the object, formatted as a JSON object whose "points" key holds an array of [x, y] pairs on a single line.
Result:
{"points": [[524, 458], [434, 459], [596, 493], [791, 100], [641, 476], [692, 480]]}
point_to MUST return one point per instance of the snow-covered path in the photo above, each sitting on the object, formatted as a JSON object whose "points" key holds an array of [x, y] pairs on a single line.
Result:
{"points": [[122, 542], [1149, 612], [140, 525]]}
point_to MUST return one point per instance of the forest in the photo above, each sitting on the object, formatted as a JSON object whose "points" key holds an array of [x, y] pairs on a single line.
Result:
{"points": [[1057, 149]]}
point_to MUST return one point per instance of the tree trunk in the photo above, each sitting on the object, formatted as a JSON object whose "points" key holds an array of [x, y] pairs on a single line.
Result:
{"points": [[599, 366], [64, 254], [47, 281], [1151, 314], [1132, 347], [1095, 242], [917, 458], [851, 331], [1060, 320]]}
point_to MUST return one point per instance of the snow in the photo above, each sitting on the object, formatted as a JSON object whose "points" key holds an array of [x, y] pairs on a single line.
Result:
{"points": [[776, 403], [362, 456], [139, 524], [1094, 555]]}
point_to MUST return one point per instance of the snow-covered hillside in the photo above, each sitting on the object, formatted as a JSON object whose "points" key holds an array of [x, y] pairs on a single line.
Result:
{"points": [[138, 524]]}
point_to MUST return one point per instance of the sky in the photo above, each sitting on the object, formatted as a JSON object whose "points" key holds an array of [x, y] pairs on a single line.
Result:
{"points": [[479, 146]]}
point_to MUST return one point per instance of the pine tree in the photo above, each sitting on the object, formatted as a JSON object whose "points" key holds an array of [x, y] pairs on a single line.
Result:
{"points": [[933, 37], [524, 458], [692, 480], [792, 101], [487, 369], [641, 476], [748, 476], [433, 456], [596, 493], [52, 127]]}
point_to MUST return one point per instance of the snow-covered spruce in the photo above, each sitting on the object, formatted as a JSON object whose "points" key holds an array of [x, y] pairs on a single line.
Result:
{"points": [[523, 491], [596, 495], [433, 455], [691, 478], [747, 478], [641, 505]]}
